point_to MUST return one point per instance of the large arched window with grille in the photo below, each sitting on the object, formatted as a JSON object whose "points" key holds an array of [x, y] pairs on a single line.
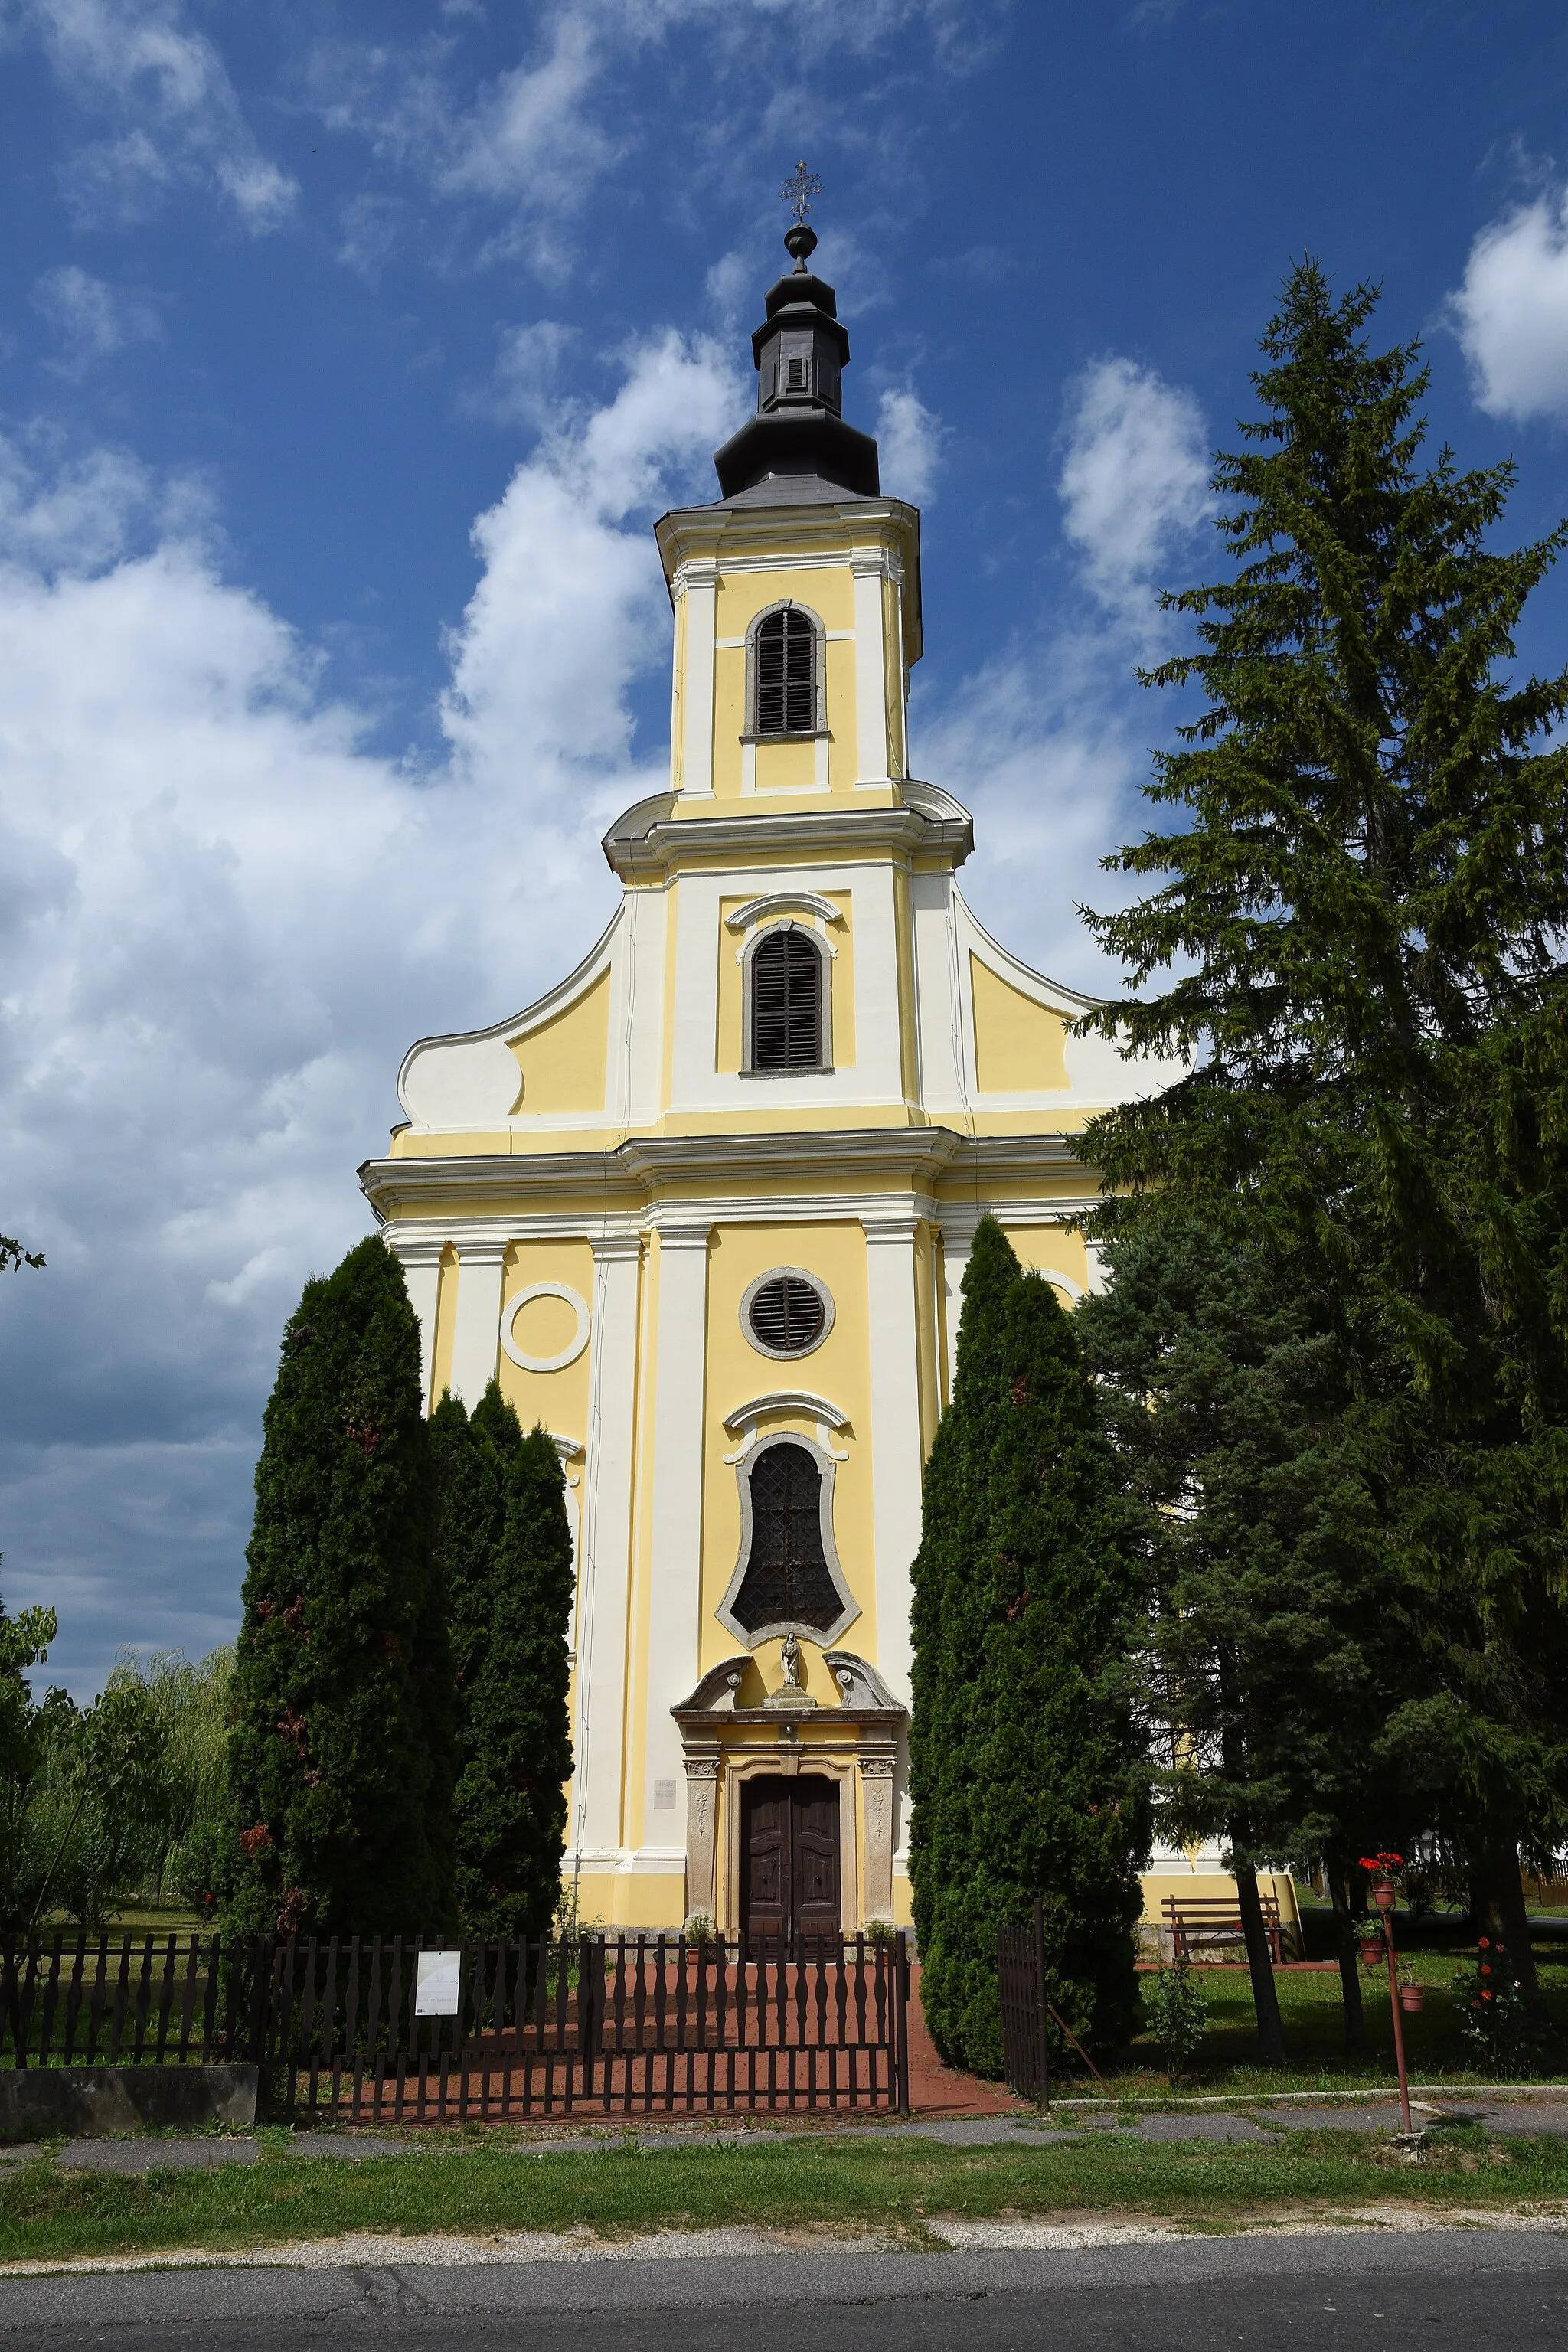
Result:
{"points": [[786, 985], [786, 680], [787, 1579]]}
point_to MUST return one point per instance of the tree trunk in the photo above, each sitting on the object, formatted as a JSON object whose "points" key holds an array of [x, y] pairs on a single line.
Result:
{"points": [[1497, 1904], [1265, 2000], [1350, 1966]]}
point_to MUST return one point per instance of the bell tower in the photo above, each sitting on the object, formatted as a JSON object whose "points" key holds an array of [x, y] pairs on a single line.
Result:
{"points": [[796, 591]]}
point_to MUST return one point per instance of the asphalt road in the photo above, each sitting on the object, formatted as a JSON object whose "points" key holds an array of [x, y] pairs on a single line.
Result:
{"points": [[1459, 2287]]}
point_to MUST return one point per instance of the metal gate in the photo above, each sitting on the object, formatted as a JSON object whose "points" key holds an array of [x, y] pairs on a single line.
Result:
{"points": [[599, 2025], [1026, 2039]]}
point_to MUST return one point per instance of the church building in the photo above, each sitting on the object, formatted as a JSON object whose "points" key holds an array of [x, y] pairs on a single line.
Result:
{"points": [[705, 1207]]}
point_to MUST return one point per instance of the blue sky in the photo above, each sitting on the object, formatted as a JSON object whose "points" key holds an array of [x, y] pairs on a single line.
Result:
{"points": [[346, 355]]}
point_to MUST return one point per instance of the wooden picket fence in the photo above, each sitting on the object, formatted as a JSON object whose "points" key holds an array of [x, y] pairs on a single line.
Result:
{"points": [[128, 2000], [1026, 1998], [596, 2024]]}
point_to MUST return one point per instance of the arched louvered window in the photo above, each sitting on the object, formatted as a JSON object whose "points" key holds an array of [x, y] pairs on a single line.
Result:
{"points": [[787, 1581], [786, 974], [786, 674]]}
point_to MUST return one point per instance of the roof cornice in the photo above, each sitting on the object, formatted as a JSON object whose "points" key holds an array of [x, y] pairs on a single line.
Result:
{"points": [[649, 838], [630, 1178]]}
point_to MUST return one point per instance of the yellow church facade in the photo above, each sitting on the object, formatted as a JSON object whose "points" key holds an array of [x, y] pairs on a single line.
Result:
{"points": [[705, 1208]]}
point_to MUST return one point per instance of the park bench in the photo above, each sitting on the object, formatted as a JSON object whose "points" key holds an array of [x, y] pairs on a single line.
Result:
{"points": [[1195, 1920]]}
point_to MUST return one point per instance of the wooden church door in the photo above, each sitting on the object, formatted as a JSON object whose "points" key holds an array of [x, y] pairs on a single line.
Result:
{"points": [[789, 1857]]}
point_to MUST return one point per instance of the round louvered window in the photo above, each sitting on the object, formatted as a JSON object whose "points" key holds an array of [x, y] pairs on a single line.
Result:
{"points": [[786, 1313]]}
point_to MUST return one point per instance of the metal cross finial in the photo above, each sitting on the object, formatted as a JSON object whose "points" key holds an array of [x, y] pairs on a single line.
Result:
{"points": [[800, 188]]}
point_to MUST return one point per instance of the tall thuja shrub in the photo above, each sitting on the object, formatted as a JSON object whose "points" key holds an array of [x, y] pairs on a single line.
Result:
{"points": [[339, 1758], [1056, 1807], [948, 1617], [1358, 914], [507, 1547]]}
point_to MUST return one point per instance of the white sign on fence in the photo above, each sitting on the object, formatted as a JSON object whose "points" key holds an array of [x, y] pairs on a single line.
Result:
{"points": [[436, 1986]]}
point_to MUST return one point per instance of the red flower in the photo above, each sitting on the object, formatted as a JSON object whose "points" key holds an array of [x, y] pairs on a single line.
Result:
{"points": [[1486, 1943], [1486, 1969]]}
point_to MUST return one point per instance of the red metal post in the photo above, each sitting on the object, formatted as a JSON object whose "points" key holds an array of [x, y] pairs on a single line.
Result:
{"points": [[1383, 1895]]}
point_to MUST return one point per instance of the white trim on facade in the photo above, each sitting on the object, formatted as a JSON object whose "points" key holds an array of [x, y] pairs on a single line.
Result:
{"points": [[674, 1630], [894, 1343]]}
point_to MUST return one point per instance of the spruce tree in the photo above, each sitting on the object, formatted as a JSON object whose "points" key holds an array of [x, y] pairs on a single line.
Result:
{"points": [[340, 1758], [506, 1547], [1364, 894], [947, 1628], [1280, 1642]]}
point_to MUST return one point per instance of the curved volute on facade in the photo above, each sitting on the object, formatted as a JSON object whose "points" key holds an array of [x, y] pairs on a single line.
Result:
{"points": [[793, 1067]]}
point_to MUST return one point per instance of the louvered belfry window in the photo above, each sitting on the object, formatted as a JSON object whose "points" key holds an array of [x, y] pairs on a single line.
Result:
{"points": [[786, 1003], [787, 1579], [787, 1315], [786, 675]]}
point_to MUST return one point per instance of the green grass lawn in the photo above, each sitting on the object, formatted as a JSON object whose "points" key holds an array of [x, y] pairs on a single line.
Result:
{"points": [[1313, 2018], [479, 2187]]}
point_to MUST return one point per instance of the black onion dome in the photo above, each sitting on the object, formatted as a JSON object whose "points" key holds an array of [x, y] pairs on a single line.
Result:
{"points": [[797, 447]]}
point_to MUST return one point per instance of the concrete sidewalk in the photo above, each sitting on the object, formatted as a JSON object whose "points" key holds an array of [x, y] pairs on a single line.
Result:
{"points": [[1524, 2116]]}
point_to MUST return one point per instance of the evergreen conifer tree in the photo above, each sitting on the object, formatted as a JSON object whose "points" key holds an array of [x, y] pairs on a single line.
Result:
{"points": [[947, 1628], [1057, 1808], [1021, 1747], [340, 1758], [506, 1547], [1366, 892], [1280, 1642]]}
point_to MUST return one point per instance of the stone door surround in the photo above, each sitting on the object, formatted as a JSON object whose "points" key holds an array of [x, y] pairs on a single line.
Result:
{"points": [[857, 1744]]}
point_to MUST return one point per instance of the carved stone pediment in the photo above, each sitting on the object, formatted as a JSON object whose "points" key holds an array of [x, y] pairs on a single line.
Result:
{"points": [[862, 1693]]}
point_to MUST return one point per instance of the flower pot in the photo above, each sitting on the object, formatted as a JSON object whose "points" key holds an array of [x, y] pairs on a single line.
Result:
{"points": [[1371, 1951], [1412, 1996]]}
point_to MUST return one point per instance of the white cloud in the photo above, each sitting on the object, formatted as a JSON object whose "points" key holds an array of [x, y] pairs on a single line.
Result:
{"points": [[1133, 482], [909, 439], [530, 143], [1047, 743], [531, 132], [1511, 312], [1038, 744], [93, 319], [222, 921], [546, 650], [731, 287], [524, 388], [169, 107]]}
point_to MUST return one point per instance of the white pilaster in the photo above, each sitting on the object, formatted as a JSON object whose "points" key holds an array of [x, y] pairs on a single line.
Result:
{"points": [[476, 1333], [698, 583], [893, 1338], [957, 1240], [867, 565], [675, 1565], [421, 1262], [604, 1556]]}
